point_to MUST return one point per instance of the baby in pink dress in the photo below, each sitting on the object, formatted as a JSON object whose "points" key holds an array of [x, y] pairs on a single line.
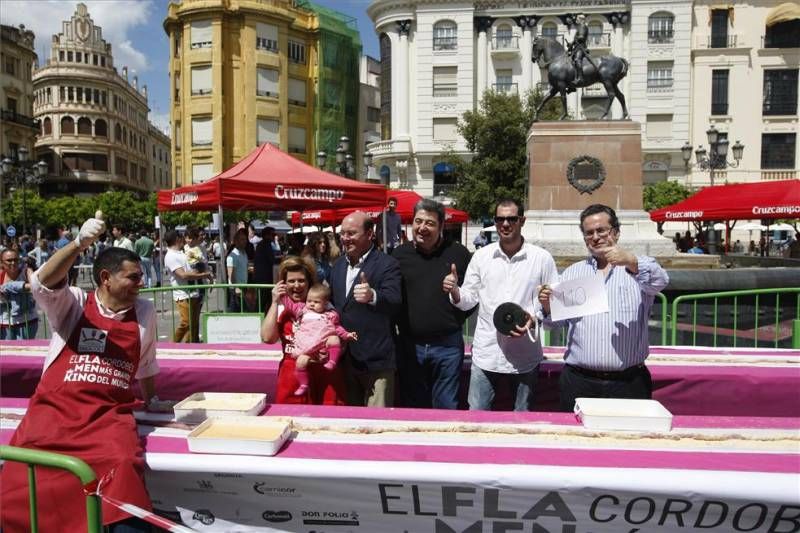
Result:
{"points": [[318, 330]]}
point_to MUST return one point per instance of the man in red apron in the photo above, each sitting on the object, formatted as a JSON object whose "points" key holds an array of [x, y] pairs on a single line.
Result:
{"points": [[83, 404]]}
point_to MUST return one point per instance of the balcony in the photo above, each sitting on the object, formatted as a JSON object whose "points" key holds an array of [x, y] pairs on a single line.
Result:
{"points": [[505, 46], [447, 42], [399, 147], [780, 105], [445, 90], [595, 91], [444, 189], [599, 41], [660, 36], [659, 84], [13, 116], [505, 88], [707, 42], [780, 174]]}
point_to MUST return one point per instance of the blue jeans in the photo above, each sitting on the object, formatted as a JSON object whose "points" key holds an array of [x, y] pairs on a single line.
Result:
{"points": [[483, 384], [430, 374], [20, 331], [147, 270]]}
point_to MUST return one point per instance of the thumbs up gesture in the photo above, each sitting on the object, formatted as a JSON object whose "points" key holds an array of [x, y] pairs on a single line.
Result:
{"points": [[362, 292], [90, 231], [450, 282]]}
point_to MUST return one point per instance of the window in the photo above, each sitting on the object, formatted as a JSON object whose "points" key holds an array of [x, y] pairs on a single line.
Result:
{"points": [[267, 82], [504, 37], [386, 86], [177, 87], [84, 126], [719, 92], [67, 125], [121, 166], [9, 65], [550, 30], [177, 135], [69, 57], [102, 61], [659, 75], [266, 37], [444, 81], [48, 126], [11, 104], [719, 28], [201, 80], [659, 126], [202, 131], [505, 81], [444, 35], [297, 52], [61, 55], [780, 92], [297, 92], [96, 96], [783, 35], [445, 129], [202, 172], [373, 114], [94, 59], [201, 34], [100, 128], [660, 28], [268, 131], [777, 150], [118, 133], [70, 94], [596, 34], [74, 161], [297, 140]]}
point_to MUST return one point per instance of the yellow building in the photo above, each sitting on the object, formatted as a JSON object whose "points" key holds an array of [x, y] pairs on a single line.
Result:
{"points": [[241, 74], [17, 58]]}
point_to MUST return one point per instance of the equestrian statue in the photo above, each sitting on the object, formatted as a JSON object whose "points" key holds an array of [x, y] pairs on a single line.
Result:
{"points": [[570, 69]]}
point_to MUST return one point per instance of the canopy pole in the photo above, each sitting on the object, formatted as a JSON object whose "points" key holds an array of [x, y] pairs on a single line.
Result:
{"points": [[383, 224], [222, 270], [161, 267]]}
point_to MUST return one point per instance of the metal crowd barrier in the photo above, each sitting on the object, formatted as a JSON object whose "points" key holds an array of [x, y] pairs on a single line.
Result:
{"points": [[75, 466]]}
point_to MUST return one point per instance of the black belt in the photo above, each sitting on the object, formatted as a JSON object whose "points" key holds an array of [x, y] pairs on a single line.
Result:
{"points": [[610, 375]]}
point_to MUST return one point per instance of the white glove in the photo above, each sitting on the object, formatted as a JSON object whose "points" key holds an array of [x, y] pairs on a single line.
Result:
{"points": [[90, 231]]}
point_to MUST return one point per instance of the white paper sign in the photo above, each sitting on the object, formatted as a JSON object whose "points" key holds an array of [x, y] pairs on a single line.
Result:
{"points": [[235, 327], [578, 297]]}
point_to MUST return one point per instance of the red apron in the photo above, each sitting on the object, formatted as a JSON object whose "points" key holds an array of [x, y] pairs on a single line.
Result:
{"points": [[83, 406]]}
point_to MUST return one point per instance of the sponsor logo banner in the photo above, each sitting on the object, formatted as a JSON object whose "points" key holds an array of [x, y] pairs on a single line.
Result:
{"points": [[776, 210], [308, 193], [683, 214]]}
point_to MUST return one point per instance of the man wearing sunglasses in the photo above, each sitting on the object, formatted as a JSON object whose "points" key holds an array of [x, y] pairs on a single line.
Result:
{"points": [[18, 318], [606, 351], [505, 271]]}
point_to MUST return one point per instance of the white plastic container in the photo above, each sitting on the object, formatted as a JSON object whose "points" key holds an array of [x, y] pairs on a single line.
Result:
{"points": [[202, 405], [620, 414], [246, 435]]}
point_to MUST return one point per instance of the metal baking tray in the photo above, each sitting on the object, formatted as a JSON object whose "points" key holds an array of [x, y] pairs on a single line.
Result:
{"points": [[244, 435], [202, 405], [621, 414]]}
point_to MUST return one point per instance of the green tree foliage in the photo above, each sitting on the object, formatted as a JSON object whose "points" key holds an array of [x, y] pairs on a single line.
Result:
{"points": [[664, 193], [496, 135]]}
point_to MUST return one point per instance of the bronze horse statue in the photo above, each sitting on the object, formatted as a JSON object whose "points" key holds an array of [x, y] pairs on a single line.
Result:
{"points": [[551, 55]]}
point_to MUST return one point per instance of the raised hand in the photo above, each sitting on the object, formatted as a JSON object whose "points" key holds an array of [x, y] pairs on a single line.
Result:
{"points": [[362, 292], [278, 291], [617, 256], [450, 282], [90, 231], [544, 292]]}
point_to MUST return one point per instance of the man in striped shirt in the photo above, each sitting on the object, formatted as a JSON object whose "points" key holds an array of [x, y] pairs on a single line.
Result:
{"points": [[606, 351]]}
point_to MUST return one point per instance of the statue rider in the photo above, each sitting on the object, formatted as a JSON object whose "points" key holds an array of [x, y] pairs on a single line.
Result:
{"points": [[578, 48]]}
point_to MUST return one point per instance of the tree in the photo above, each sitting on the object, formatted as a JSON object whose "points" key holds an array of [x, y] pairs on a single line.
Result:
{"points": [[496, 133], [664, 193]]}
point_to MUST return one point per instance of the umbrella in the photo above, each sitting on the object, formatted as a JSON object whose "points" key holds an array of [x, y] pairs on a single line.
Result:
{"points": [[782, 227], [752, 226]]}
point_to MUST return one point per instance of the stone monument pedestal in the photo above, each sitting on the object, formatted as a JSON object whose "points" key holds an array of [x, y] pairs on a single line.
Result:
{"points": [[574, 164]]}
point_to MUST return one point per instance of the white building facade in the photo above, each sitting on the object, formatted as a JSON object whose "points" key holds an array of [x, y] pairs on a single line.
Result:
{"points": [[439, 56]]}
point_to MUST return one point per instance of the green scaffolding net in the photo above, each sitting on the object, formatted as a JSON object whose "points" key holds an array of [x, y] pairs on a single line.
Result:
{"points": [[336, 106]]}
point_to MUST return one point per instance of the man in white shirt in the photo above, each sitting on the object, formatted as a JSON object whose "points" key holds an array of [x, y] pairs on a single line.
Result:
{"points": [[505, 271], [120, 240], [237, 264], [186, 300]]}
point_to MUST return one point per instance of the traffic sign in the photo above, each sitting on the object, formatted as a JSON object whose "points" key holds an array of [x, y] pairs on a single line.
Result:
{"points": [[11, 231]]}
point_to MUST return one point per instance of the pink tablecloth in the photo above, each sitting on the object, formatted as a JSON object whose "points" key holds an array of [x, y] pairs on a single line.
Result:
{"points": [[724, 383]]}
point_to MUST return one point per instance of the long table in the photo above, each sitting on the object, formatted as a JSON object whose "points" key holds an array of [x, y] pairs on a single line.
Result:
{"points": [[376, 470], [688, 381]]}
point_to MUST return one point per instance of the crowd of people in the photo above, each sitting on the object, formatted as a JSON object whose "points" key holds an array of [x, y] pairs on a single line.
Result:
{"points": [[365, 328]]}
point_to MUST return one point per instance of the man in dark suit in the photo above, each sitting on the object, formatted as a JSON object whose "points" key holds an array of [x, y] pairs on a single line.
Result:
{"points": [[263, 262], [366, 293]]}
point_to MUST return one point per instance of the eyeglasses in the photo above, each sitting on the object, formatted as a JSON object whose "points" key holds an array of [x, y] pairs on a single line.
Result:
{"points": [[11, 261], [511, 220], [600, 232]]}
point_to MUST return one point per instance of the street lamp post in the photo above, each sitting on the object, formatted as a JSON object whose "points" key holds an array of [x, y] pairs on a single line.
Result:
{"points": [[344, 161], [367, 160], [24, 174], [715, 159]]}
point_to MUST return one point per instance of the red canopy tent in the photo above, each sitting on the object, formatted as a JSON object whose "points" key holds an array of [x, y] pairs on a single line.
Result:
{"points": [[739, 201], [269, 179], [406, 200]]}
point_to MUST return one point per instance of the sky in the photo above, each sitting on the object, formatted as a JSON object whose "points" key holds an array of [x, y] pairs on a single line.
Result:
{"points": [[134, 29]]}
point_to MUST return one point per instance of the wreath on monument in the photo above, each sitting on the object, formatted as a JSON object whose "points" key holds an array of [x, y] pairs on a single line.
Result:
{"points": [[586, 173]]}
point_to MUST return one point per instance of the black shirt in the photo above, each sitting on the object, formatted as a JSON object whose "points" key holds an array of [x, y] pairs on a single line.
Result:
{"points": [[427, 311]]}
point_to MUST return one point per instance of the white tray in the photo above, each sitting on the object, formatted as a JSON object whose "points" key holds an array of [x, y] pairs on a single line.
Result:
{"points": [[244, 435], [219, 404], [632, 415]]}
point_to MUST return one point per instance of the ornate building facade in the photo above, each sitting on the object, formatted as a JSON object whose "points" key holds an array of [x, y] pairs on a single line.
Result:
{"points": [[248, 72], [17, 58], [94, 132], [438, 57]]}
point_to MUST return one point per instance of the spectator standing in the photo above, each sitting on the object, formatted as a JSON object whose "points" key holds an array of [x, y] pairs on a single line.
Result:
{"points": [[143, 247], [505, 271], [40, 254], [394, 226], [237, 265], [606, 352], [480, 240], [120, 240], [18, 317], [264, 262], [431, 335], [366, 289], [185, 296], [317, 251]]}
